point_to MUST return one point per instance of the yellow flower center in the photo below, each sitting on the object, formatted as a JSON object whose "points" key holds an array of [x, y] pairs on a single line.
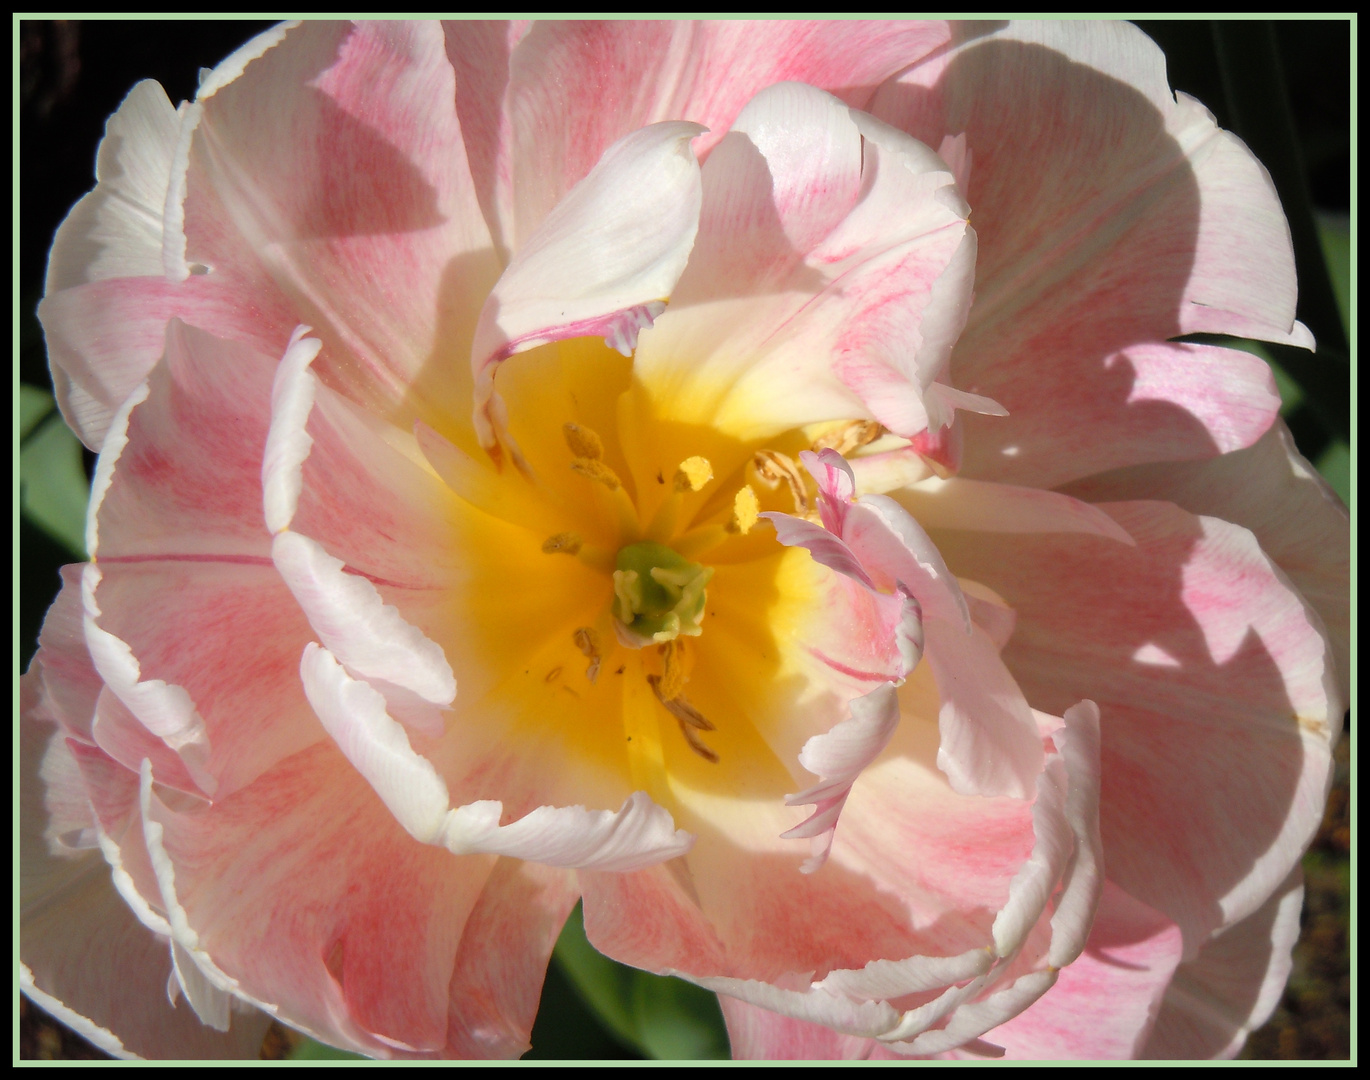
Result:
{"points": [[620, 607]]}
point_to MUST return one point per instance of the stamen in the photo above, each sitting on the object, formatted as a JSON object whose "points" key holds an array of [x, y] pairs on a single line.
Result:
{"points": [[587, 641], [688, 717], [597, 471], [583, 442], [772, 467], [693, 474], [746, 511], [673, 657], [850, 436], [567, 543]]}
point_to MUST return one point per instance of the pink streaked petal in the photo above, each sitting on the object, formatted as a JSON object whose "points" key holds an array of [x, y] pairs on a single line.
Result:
{"points": [[341, 164], [602, 263], [836, 486], [979, 505], [164, 709], [757, 1034], [1158, 402], [577, 87], [502, 959], [1082, 884], [893, 547], [838, 757], [801, 303], [481, 54], [1104, 1003], [179, 474], [352, 482], [230, 634], [85, 957], [116, 230], [1209, 619], [354, 937], [1271, 489], [61, 684], [974, 1019], [1230, 989], [1087, 264], [124, 738], [354, 713], [825, 547], [104, 337]]}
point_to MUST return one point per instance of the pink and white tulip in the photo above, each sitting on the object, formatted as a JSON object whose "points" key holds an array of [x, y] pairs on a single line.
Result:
{"points": [[440, 377]]}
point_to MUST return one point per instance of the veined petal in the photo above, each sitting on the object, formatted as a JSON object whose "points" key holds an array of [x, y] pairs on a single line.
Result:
{"points": [[603, 262], [84, 956], [1182, 223], [1209, 620], [565, 107], [1104, 1003], [1233, 986]]}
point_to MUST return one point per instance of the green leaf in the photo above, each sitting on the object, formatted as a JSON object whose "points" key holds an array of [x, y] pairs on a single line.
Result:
{"points": [[309, 1050], [1335, 466], [34, 404], [1334, 230], [53, 485], [663, 1017]]}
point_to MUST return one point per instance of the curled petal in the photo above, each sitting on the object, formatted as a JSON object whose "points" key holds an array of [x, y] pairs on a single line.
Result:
{"points": [[639, 834], [602, 263]]}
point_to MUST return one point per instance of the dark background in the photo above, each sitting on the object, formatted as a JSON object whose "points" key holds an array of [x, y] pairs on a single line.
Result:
{"points": [[1279, 87]]}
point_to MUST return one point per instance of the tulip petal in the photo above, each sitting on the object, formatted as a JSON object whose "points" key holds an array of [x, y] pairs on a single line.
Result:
{"points": [[1103, 1004], [801, 302], [353, 938], [980, 506], [338, 159], [1209, 620], [602, 263], [1179, 219], [116, 230], [84, 957], [1233, 986], [500, 963], [757, 1034], [1297, 518], [575, 88]]}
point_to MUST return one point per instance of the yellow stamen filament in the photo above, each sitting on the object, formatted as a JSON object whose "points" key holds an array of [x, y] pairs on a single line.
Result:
{"points": [[673, 681], [691, 475], [850, 436], [587, 641], [772, 467]]}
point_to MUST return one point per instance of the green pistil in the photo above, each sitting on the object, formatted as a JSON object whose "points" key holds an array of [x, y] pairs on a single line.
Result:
{"points": [[658, 595]]}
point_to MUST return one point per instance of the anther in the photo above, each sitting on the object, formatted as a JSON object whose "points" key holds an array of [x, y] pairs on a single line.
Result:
{"points": [[597, 471], [587, 641], [772, 467], [850, 436], [693, 474], [690, 719], [567, 543], [583, 442], [746, 511]]}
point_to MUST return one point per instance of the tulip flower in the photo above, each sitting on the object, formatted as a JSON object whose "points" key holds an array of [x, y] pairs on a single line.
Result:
{"points": [[740, 478]]}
